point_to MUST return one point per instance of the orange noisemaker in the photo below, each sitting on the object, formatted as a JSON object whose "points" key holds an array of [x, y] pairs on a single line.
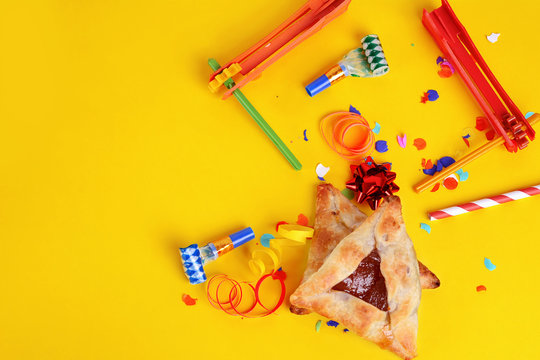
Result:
{"points": [[312, 17]]}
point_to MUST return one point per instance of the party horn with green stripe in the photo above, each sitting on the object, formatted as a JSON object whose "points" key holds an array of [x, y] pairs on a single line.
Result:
{"points": [[366, 61]]}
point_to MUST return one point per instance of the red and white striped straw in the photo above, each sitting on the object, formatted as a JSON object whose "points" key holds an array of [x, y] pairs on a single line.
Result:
{"points": [[484, 203]]}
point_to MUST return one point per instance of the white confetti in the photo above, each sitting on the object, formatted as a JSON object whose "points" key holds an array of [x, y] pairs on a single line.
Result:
{"points": [[493, 37], [321, 171]]}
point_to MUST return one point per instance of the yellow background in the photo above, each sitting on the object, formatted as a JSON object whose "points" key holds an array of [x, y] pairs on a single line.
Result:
{"points": [[114, 154]]}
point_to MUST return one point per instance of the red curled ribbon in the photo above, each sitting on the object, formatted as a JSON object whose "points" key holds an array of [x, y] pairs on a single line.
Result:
{"points": [[236, 294], [371, 182], [348, 134]]}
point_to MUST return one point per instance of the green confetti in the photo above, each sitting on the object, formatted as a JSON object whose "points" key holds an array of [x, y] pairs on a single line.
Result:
{"points": [[349, 194], [318, 325]]}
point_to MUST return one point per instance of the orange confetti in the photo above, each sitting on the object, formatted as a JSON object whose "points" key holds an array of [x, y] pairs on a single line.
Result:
{"points": [[450, 183], [445, 71], [481, 288], [423, 163], [302, 220], [436, 187], [420, 143], [188, 300], [429, 164]]}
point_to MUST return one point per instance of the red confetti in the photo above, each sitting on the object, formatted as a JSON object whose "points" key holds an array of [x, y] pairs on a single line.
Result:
{"points": [[302, 220], [490, 135], [481, 123], [188, 300], [420, 143], [481, 288], [423, 163], [445, 71], [424, 98], [280, 223], [436, 187], [467, 142], [429, 164], [450, 183]]}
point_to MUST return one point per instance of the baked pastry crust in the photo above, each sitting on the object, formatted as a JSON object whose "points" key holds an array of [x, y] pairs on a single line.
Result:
{"points": [[335, 218], [394, 329]]}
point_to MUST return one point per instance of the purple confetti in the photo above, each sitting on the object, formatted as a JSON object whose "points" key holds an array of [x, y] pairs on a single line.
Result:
{"points": [[432, 95], [332, 323], [353, 110], [381, 146], [345, 330]]}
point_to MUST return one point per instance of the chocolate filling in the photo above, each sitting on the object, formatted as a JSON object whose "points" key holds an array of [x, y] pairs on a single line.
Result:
{"points": [[367, 282]]}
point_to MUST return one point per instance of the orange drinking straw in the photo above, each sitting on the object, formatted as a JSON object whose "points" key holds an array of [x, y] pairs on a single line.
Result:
{"points": [[429, 182]]}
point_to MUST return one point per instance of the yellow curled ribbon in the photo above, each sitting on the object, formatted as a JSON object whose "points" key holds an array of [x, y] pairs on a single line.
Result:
{"points": [[265, 260]]}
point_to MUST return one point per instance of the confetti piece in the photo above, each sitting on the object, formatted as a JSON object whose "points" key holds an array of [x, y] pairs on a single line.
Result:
{"points": [[432, 95], [493, 37], [305, 135], [188, 300], [436, 187], [349, 194], [445, 71], [302, 220], [450, 182], [381, 146], [429, 164], [446, 161], [279, 224], [321, 171], [425, 227], [481, 288], [318, 325], [377, 128], [490, 135], [347, 330], [481, 123], [265, 240], [463, 175], [430, 171], [466, 140], [332, 323], [402, 140], [529, 114], [419, 143], [423, 163], [353, 110], [489, 265]]}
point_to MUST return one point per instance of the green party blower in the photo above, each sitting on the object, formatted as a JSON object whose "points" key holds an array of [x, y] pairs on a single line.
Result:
{"points": [[229, 83]]}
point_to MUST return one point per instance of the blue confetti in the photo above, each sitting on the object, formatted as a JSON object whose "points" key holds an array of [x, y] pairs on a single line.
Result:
{"points": [[353, 110], [489, 265], [426, 227], [320, 178], [467, 136], [345, 330], [529, 114], [381, 146], [431, 171], [432, 95], [305, 136], [439, 166], [332, 323], [377, 128], [440, 60], [265, 239], [446, 161]]}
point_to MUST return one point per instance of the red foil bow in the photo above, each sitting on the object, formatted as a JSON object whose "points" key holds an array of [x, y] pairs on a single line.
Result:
{"points": [[371, 182]]}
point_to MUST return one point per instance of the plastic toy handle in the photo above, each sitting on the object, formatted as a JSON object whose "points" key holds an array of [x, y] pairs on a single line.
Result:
{"points": [[259, 120]]}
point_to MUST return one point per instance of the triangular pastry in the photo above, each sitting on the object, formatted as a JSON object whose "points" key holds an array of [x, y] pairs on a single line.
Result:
{"points": [[335, 218], [370, 282]]}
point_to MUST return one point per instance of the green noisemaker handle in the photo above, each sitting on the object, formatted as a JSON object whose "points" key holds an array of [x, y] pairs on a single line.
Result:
{"points": [[229, 83]]}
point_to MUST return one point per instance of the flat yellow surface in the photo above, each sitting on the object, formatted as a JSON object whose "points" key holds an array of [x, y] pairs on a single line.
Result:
{"points": [[114, 154]]}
